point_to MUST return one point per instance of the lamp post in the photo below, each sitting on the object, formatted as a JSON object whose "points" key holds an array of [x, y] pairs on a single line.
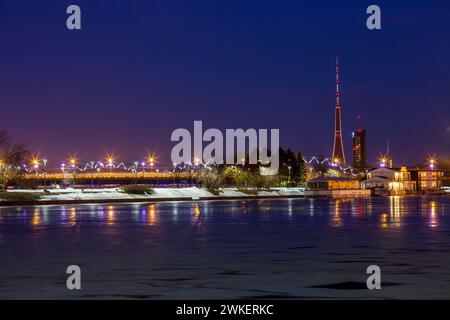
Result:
{"points": [[98, 175], [384, 162], [432, 163], [35, 164], [151, 159], [110, 162], [289, 180], [63, 166], [73, 164], [174, 169], [336, 162], [44, 161], [92, 173], [135, 171]]}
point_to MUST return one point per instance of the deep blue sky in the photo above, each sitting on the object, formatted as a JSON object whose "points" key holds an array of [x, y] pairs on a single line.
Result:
{"points": [[139, 69]]}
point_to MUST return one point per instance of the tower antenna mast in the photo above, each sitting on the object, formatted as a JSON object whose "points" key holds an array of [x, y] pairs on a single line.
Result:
{"points": [[338, 146]]}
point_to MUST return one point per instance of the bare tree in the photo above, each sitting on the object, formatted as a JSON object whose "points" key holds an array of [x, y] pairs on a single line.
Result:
{"points": [[210, 178], [11, 157]]}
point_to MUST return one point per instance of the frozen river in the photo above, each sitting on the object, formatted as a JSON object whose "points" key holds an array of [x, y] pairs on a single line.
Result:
{"points": [[292, 249]]}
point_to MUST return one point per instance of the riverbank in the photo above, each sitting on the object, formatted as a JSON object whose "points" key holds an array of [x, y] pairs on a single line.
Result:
{"points": [[117, 195]]}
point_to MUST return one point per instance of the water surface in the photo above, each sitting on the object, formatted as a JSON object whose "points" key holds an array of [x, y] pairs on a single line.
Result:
{"points": [[292, 249]]}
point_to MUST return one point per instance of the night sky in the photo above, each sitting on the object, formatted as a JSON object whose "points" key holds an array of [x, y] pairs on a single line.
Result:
{"points": [[140, 69]]}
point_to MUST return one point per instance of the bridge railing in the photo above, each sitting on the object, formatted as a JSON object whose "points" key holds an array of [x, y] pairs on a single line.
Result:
{"points": [[101, 175]]}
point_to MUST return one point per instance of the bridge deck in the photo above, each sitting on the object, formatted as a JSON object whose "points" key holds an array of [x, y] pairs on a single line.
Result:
{"points": [[103, 175]]}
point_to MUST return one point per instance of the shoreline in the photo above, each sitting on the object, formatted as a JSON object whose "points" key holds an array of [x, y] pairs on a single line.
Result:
{"points": [[175, 199], [142, 200]]}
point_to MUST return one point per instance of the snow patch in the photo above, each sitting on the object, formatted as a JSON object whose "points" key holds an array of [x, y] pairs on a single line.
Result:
{"points": [[158, 193]]}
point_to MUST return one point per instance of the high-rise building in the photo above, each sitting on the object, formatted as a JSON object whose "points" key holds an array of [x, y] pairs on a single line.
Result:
{"points": [[338, 146], [359, 149]]}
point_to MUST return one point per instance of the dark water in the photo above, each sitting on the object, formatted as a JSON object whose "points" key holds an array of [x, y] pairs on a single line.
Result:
{"points": [[297, 248]]}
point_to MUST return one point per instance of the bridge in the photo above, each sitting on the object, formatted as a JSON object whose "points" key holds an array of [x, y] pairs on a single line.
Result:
{"points": [[100, 173], [97, 177]]}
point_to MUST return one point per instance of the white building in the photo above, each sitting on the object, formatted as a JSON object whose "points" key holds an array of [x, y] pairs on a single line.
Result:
{"points": [[387, 181]]}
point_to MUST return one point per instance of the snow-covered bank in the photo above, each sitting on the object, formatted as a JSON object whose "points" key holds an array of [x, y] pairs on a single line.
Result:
{"points": [[158, 193]]}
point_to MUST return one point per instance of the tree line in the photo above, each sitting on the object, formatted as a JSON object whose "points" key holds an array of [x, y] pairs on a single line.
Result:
{"points": [[292, 173]]}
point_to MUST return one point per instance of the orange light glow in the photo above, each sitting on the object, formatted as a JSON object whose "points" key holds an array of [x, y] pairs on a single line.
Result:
{"points": [[73, 160], [151, 158], [36, 220], [152, 218], [432, 161], [35, 161], [110, 159]]}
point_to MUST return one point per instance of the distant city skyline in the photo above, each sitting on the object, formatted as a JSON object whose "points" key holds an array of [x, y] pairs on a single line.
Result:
{"points": [[137, 71]]}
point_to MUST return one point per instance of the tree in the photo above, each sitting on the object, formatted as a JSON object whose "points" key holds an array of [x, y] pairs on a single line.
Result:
{"points": [[210, 178], [300, 170], [237, 176], [11, 157], [292, 168], [260, 181]]}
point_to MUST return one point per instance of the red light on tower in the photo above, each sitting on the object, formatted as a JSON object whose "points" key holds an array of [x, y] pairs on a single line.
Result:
{"points": [[338, 146]]}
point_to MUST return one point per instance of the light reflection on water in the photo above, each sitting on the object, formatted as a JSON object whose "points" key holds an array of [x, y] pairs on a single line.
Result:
{"points": [[340, 210], [280, 246], [36, 220]]}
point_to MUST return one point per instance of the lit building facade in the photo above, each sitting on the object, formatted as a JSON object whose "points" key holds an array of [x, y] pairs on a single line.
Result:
{"points": [[388, 181], [402, 184], [334, 187], [428, 180]]}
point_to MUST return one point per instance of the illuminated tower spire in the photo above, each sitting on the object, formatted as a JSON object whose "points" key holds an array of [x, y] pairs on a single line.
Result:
{"points": [[338, 147]]}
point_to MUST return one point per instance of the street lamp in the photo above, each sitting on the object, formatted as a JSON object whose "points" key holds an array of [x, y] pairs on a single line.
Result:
{"points": [[135, 168], [289, 181], [35, 163], [63, 167], [110, 162], [44, 161], [92, 165], [432, 163], [383, 162], [98, 176], [174, 174], [72, 160], [151, 159], [335, 162], [196, 161]]}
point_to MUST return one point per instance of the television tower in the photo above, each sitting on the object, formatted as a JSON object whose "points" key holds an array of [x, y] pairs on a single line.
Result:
{"points": [[338, 147]]}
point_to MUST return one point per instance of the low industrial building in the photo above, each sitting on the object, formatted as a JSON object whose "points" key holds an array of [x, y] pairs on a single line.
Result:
{"points": [[335, 187]]}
